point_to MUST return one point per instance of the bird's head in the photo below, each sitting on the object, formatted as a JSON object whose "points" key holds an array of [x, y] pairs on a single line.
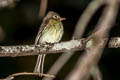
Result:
{"points": [[53, 15]]}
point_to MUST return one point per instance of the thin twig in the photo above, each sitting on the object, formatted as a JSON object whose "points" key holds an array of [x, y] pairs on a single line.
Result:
{"points": [[10, 77]]}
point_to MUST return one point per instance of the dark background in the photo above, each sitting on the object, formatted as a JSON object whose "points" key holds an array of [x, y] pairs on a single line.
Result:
{"points": [[19, 25]]}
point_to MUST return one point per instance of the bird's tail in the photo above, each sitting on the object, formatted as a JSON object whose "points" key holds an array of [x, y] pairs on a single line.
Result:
{"points": [[40, 64]]}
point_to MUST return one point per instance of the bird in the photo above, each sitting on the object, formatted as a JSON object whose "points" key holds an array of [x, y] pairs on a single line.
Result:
{"points": [[51, 31]]}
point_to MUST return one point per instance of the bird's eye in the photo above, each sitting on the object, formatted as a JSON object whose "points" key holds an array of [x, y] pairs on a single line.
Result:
{"points": [[56, 17]]}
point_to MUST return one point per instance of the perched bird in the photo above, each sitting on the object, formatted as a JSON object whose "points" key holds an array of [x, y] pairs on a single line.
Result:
{"points": [[51, 31]]}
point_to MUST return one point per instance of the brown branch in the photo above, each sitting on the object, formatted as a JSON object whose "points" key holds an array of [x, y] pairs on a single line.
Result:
{"points": [[43, 8], [93, 54], [85, 18], [10, 77], [96, 73], [72, 45], [2, 34]]}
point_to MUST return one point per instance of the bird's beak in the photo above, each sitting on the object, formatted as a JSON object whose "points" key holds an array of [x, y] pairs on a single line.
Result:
{"points": [[61, 19]]}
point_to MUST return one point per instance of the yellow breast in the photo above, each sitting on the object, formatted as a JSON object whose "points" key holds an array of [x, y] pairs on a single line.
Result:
{"points": [[52, 33]]}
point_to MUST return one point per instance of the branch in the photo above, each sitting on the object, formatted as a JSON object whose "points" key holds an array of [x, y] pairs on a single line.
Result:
{"points": [[43, 8], [96, 73], [72, 45], [85, 18], [26, 50], [92, 55], [2, 34]]}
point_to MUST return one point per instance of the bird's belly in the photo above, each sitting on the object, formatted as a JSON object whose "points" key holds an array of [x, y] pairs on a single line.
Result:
{"points": [[51, 36]]}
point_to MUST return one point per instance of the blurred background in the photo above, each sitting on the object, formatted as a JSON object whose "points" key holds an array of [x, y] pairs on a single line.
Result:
{"points": [[19, 25]]}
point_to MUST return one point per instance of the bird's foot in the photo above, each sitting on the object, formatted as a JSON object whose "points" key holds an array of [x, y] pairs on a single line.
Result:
{"points": [[50, 44], [39, 74], [44, 75]]}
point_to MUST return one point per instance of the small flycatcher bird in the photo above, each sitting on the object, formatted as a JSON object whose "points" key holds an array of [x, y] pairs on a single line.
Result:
{"points": [[51, 31]]}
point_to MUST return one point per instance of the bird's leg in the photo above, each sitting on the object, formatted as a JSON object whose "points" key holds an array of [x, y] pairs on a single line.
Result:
{"points": [[37, 68], [42, 64]]}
